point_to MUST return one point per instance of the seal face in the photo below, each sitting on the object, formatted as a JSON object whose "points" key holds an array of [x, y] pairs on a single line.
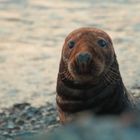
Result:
{"points": [[87, 52], [89, 77]]}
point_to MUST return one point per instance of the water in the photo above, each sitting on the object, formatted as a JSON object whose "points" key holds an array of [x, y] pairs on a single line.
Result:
{"points": [[32, 33]]}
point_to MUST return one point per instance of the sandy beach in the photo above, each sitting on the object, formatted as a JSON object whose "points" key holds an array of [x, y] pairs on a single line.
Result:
{"points": [[32, 33]]}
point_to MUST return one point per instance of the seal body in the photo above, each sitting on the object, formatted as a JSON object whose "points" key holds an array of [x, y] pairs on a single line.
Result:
{"points": [[89, 78]]}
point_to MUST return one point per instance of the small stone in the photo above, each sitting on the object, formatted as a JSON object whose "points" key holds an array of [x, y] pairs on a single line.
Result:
{"points": [[10, 125], [20, 122]]}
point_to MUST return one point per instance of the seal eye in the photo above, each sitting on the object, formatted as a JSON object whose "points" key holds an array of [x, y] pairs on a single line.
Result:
{"points": [[102, 43], [71, 44]]}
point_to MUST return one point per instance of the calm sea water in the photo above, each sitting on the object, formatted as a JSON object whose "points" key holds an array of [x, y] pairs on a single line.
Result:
{"points": [[32, 34]]}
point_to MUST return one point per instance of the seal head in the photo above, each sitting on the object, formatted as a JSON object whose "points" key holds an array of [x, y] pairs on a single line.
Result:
{"points": [[87, 54]]}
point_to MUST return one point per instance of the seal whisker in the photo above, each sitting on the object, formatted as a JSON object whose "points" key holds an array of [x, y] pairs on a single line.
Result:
{"points": [[60, 73], [105, 81], [107, 78], [114, 70], [114, 74], [112, 77], [63, 78], [68, 76]]}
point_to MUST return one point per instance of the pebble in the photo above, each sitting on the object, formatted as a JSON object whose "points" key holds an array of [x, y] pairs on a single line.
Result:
{"points": [[24, 119]]}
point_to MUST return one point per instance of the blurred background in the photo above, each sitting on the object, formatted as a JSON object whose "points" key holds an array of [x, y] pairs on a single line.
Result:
{"points": [[32, 33]]}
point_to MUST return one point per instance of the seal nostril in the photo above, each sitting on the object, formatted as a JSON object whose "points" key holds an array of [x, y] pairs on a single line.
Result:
{"points": [[84, 57]]}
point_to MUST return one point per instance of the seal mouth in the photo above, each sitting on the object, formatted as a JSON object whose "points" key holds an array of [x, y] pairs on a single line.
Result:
{"points": [[83, 69], [83, 72], [83, 62]]}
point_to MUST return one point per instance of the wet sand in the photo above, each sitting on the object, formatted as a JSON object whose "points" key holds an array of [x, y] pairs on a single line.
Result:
{"points": [[32, 33]]}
